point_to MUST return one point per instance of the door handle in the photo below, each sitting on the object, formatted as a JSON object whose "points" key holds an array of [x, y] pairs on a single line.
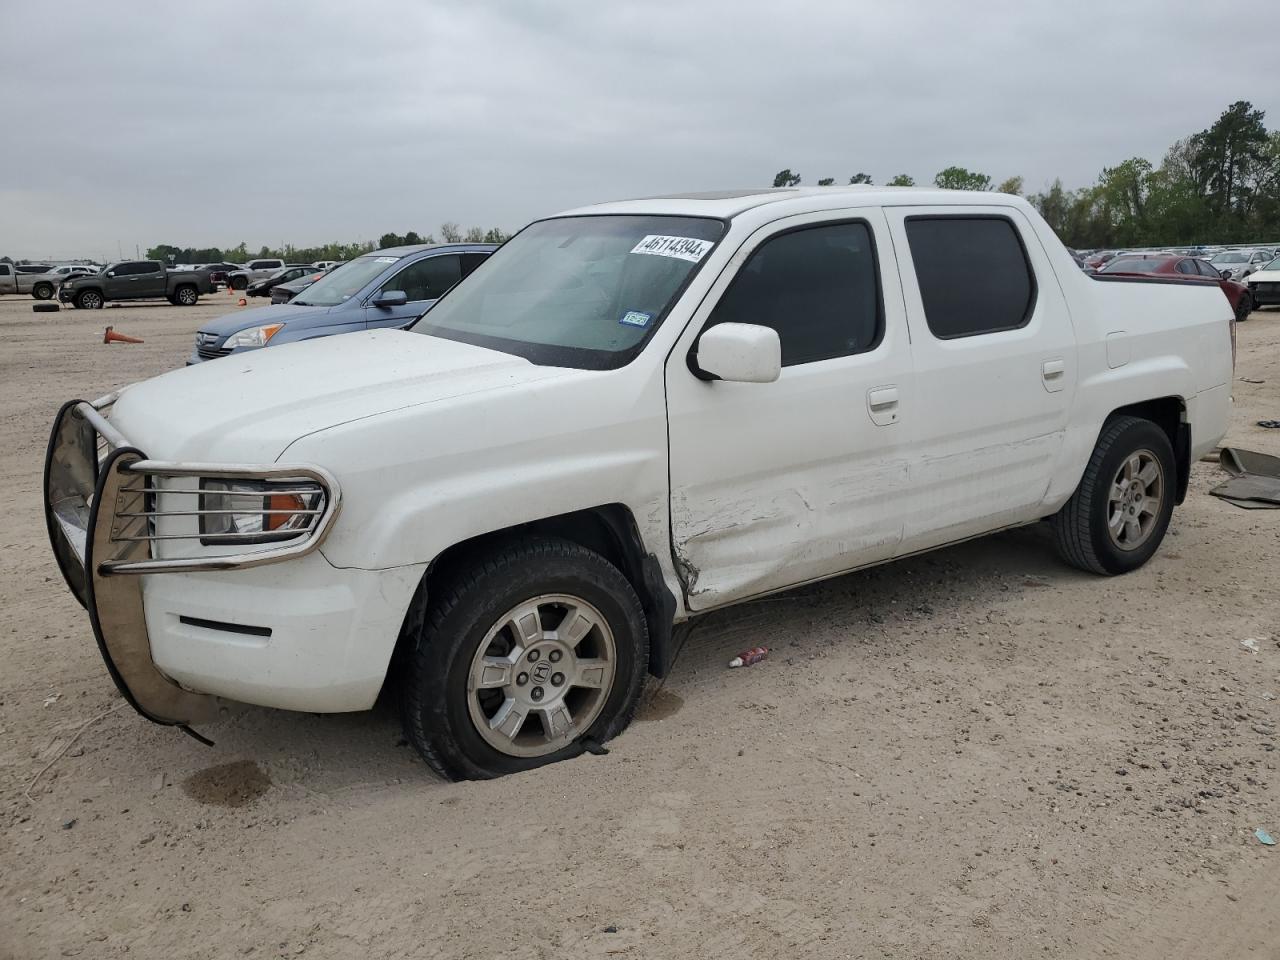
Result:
{"points": [[882, 398], [882, 404], [1053, 374]]}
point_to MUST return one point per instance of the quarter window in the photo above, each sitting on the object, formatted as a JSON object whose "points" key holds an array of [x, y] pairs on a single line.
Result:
{"points": [[1188, 266], [427, 279], [818, 287], [973, 273]]}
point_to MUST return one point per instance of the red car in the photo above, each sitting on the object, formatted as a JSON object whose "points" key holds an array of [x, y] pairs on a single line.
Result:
{"points": [[1172, 266]]}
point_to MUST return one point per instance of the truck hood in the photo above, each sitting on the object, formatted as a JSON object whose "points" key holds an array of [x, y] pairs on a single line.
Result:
{"points": [[1265, 276], [249, 407], [245, 319]]}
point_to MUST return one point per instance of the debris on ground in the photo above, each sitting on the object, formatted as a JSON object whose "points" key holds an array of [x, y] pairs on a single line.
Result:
{"points": [[1270, 424], [1264, 837], [749, 657], [1255, 479], [1251, 643]]}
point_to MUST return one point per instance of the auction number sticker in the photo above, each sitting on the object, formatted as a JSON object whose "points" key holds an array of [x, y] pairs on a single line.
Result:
{"points": [[683, 248], [634, 318]]}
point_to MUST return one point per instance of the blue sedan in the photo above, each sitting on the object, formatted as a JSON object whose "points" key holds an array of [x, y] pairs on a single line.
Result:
{"points": [[386, 288]]}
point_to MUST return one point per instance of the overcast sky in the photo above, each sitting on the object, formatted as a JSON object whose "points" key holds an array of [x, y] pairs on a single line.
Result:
{"points": [[310, 122]]}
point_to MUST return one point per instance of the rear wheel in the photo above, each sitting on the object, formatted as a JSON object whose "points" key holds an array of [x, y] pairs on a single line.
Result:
{"points": [[89, 300], [1118, 515], [42, 291], [519, 657], [186, 296]]}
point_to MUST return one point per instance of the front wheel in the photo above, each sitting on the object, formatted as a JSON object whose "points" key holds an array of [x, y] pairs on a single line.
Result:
{"points": [[89, 300], [1244, 308], [520, 657], [1119, 514]]}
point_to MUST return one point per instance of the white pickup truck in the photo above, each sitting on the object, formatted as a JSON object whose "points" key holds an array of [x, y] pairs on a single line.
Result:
{"points": [[630, 415]]}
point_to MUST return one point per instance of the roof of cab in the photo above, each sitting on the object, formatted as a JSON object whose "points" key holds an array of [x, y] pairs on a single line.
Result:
{"points": [[727, 204]]}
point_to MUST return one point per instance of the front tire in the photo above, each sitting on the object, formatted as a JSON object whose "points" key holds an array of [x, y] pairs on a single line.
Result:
{"points": [[1118, 516], [89, 300], [519, 657], [1244, 308]]}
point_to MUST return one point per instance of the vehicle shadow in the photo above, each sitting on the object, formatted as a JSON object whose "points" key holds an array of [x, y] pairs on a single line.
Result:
{"points": [[340, 755]]}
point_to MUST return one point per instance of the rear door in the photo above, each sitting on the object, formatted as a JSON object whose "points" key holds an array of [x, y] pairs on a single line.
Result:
{"points": [[774, 484], [152, 279], [995, 362], [423, 282]]}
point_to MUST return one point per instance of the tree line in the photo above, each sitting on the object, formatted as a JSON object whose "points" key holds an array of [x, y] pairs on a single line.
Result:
{"points": [[449, 233], [1221, 185]]}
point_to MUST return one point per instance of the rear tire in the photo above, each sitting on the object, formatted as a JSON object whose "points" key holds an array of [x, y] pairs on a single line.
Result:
{"points": [[1118, 516], [185, 296], [475, 701], [42, 291]]}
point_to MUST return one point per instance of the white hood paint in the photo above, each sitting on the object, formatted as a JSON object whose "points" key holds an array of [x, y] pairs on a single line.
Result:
{"points": [[1263, 276], [249, 407]]}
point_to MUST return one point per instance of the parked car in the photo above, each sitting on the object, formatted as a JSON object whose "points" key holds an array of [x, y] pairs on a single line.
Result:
{"points": [[1171, 266], [387, 288], [327, 264], [135, 280], [218, 271], [1238, 264], [1264, 285], [632, 414], [41, 286], [284, 292], [40, 283], [251, 271], [1100, 259], [263, 287]]}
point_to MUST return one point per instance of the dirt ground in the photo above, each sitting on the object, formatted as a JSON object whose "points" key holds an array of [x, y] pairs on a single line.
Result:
{"points": [[974, 754]]}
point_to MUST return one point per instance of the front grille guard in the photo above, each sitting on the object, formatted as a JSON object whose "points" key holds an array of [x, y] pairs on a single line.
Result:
{"points": [[91, 478]]}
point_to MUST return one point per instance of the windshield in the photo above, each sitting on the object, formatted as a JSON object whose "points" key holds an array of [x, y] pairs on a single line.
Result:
{"points": [[1133, 265], [1230, 258], [581, 292], [1273, 265], [345, 281]]}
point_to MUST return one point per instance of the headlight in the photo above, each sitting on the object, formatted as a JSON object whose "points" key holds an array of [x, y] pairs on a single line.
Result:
{"points": [[258, 511], [253, 337]]}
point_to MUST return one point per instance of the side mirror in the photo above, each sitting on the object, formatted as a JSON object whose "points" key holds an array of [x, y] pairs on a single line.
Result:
{"points": [[740, 353], [111, 273], [390, 298], [1225, 274]]}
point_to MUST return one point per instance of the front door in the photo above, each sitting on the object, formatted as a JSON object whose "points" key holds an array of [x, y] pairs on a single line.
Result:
{"points": [[423, 282], [775, 484], [995, 361]]}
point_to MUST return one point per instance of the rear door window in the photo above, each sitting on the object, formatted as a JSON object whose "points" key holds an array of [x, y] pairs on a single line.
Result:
{"points": [[973, 273]]}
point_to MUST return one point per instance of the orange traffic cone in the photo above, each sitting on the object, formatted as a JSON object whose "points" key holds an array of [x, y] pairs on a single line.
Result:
{"points": [[110, 336], [244, 302]]}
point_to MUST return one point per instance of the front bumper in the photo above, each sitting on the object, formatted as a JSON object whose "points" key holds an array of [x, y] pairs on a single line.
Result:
{"points": [[1265, 293], [100, 497]]}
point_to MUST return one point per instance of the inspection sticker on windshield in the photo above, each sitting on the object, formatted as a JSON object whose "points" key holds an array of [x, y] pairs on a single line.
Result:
{"points": [[685, 248], [634, 318], [385, 259]]}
